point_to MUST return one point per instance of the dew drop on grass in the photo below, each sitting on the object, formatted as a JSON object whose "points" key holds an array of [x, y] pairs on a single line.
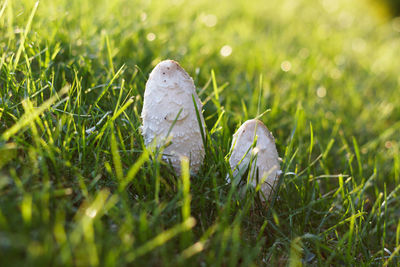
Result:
{"points": [[91, 212]]}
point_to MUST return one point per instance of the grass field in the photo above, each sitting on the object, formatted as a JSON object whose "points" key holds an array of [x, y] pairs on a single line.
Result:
{"points": [[77, 186]]}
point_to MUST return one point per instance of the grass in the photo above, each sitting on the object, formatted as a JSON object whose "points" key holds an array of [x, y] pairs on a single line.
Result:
{"points": [[78, 187]]}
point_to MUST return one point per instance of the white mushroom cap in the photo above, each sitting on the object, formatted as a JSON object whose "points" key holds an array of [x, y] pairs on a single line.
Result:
{"points": [[169, 91], [264, 153]]}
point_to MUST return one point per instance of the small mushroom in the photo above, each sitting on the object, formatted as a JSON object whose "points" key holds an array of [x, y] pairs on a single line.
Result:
{"points": [[261, 153], [169, 92]]}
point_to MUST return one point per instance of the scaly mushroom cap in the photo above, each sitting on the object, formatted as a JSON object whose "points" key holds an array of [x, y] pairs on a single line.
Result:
{"points": [[264, 154], [169, 89]]}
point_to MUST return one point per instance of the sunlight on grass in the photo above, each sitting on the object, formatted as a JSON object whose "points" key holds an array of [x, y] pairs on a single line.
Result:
{"points": [[78, 186]]}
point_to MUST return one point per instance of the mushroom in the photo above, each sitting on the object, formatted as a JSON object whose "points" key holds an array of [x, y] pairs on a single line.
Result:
{"points": [[168, 99], [261, 153]]}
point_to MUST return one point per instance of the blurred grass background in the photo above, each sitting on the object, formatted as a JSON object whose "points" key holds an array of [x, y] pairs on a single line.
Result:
{"points": [[386, 8], [77, 187]]}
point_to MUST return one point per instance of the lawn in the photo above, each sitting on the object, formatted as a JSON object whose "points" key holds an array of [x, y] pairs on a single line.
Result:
{"points": [[78, 187]]}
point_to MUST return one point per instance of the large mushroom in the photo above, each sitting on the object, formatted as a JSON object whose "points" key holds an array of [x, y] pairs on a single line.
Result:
{"points": [[259, 155], [169, 92]]}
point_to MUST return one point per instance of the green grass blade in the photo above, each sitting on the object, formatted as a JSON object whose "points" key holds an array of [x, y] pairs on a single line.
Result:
{"points": [[25, 34]]}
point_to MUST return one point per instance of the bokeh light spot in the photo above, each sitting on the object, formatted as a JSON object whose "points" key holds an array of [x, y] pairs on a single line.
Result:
{"points": [[396, 24], [321, 92], [304, 53], [388, 144], [209, 20], [345, 19], [226, 51], [330, 5], [151, 36], [358, 45], [286, 66], [143, 16]]}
